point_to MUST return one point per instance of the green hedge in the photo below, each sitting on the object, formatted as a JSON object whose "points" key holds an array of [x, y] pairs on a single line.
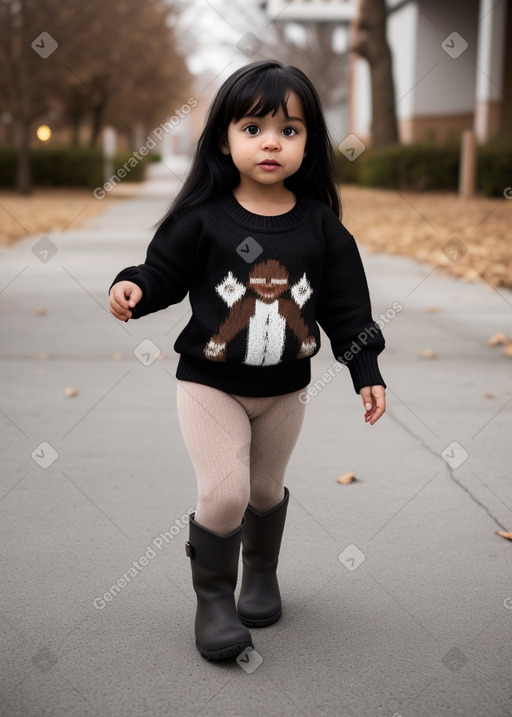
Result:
{"points": [[66, 167], [495, 166], [7, 166], [427, 166]]}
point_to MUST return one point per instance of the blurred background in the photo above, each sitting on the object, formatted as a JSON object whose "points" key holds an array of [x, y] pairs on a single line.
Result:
{"points": [[418, 97], [101, 106]]}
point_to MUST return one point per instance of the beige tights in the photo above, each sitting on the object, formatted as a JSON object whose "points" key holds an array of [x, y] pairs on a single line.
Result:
{"points": [[240, 447]]}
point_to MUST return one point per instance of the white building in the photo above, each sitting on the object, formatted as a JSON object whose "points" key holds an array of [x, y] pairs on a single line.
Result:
{"points": [[452, 65]]}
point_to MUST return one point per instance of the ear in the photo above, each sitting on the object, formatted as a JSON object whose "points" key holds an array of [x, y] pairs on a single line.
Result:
{"points": [[224, 144]]}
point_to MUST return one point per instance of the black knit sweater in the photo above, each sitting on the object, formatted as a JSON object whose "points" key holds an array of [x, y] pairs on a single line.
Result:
{"points": [[257, 286]]}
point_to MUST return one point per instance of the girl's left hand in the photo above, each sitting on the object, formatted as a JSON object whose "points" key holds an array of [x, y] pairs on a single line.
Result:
{"points": [[374, 400]]}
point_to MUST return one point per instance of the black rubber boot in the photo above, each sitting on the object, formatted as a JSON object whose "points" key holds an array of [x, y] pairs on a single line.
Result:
{"points": [[214, 562], [259, 604]]}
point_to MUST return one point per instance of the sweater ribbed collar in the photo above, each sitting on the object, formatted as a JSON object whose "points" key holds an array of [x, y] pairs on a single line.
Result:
{"points": [[278, 223]]}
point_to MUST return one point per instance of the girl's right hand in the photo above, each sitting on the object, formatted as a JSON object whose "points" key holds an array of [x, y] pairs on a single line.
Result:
{"points": [[124, 296]]}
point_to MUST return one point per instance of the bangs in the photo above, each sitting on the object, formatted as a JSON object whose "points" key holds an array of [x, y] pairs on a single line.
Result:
{"points": [[265, 94]]}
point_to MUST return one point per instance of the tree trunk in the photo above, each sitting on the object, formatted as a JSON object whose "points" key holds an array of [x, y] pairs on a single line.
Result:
{"points": [[98, 111], [75, 105], [75, 133], [370, 42], [23, 173], [22, 102]]}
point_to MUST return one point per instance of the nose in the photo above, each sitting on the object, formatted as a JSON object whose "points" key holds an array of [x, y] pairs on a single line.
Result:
{"points": [[270, 142]]}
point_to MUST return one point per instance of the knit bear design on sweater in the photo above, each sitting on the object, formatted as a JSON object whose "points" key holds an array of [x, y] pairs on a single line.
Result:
{"points": [[265, 312]]}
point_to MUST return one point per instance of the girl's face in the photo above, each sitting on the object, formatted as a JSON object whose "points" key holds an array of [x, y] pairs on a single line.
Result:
{"points": [[266, 150]]}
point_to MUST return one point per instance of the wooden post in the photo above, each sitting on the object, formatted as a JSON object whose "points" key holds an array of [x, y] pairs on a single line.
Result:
{"points": [[467, 171]]}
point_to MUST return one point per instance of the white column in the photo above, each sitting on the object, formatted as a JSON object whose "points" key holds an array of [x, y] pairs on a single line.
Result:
{"points": [[490, 66]]}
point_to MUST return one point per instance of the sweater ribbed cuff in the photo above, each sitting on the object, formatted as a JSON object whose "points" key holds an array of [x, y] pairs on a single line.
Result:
{"points": [[364, 370]]}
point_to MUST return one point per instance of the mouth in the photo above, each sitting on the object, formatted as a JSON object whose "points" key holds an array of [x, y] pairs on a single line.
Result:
{"points": [[269, 165]]}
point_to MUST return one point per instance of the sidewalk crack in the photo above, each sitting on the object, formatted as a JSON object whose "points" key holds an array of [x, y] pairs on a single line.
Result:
{"points": [[451, 471]]}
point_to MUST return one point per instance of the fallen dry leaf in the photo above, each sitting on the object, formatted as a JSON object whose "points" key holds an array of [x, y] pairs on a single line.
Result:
{"points": [[69, 392], [117, 357], [504, 534], [428, 353], [507, 350], [497, 339], [432, 309], [346, 478], [471, 275], [41, 311], [489, 395]]}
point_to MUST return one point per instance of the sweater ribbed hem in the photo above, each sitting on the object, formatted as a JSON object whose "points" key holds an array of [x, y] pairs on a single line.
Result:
{"points": [[364, 370], [254, 381]]}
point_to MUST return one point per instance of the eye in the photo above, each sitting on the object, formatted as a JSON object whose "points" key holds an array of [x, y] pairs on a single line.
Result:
{"points": [[289, 131], [252, 129]]}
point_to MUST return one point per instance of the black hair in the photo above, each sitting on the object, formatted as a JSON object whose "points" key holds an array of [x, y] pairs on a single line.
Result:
{"points": [[261, 87]]}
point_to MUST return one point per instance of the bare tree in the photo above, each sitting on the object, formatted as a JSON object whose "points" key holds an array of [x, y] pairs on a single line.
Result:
{"points": [[311, 48], [137, 75], [113, 62], [314, 55], [370, 42], [24, 78]]}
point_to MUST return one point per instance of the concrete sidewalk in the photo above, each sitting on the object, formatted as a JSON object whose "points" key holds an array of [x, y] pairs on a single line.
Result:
{"points": [[396, 589]]}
